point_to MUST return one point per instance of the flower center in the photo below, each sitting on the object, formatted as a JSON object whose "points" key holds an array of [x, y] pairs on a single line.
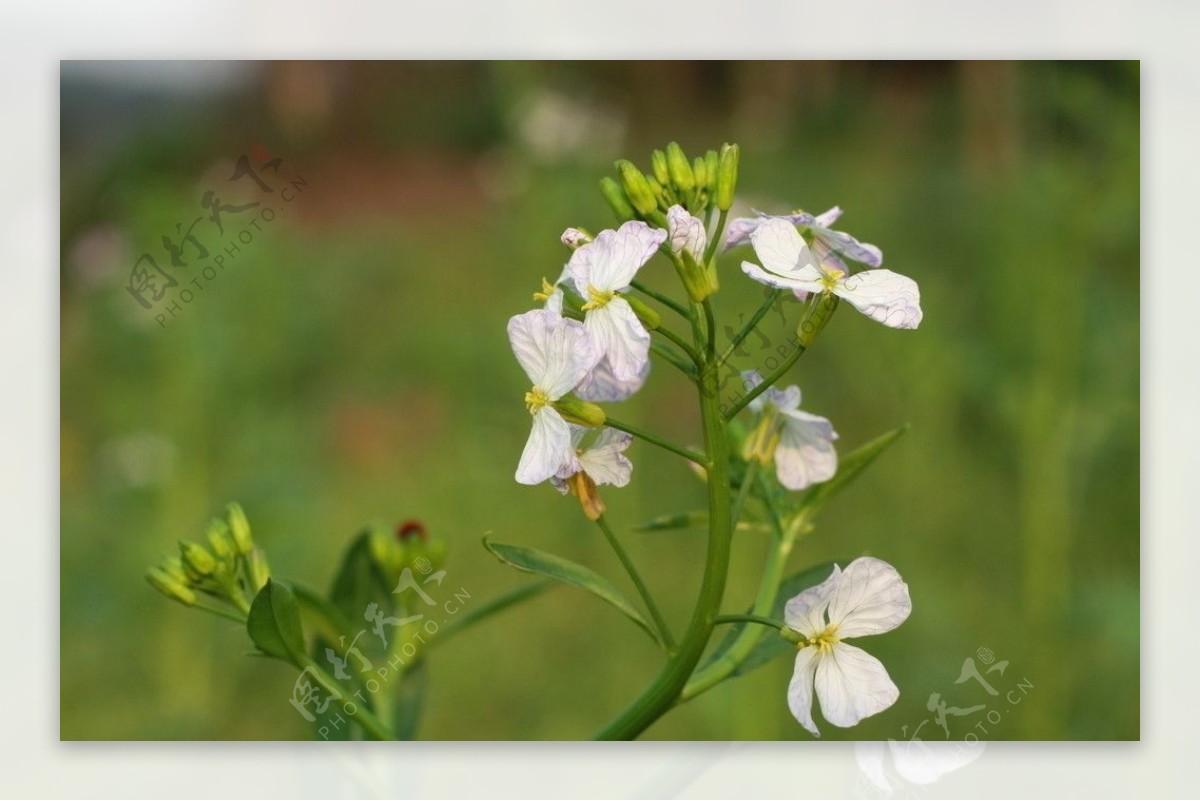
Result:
{"points": [[598, 299], [825, 641], [830, 276], [535, 399]]}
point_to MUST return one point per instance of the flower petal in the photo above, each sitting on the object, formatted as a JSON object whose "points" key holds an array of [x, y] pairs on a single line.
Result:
{"points": [[612, 260], [852, 685], [800, 690], [827, 218], [805, 454], [601, 386], [686, 233], [548, 448], [808, 281], [884, 296], [605, 462], [738, 232], [781, 249], [622, 337], [871, 598], [848, 246], [556, 353], [806, 612]]}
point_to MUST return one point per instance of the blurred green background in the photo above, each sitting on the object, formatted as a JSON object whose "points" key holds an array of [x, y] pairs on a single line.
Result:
{"points": [[351, 366]]}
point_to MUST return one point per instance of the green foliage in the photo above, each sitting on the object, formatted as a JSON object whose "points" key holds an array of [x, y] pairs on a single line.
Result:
{"points": [[274, 623]]}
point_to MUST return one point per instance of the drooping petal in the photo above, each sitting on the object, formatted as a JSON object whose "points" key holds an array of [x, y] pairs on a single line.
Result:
{"points": [[809, 280], [846, 245], [556, 353], [852, 685], [602, 386], [612, 260], [884, 296], [827, 218], [805, 454], [870, 598], [800, 689], [686, 233], [622, 337], [806, 612], [782, 250], [548, 448], [605, 462]]}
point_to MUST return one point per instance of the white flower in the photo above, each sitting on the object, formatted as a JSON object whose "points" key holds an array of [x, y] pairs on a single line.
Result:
{"points": [[603, 462], [882, 295], [603, 268], [800, 443], [686, 233], [826, 242], [601, 385], [556, 353], [868, 597]]}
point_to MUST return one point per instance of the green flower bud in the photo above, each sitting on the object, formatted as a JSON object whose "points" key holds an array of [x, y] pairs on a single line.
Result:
{"points": [[617, 201], [649, 317], [197, 562], [680, 168], [665, 198], [217, 535], [239, 527], [727, 175], [658, 160], [815, 318], [637, 188], [712, 164], [170, 587], [174, 568], [698, 281], [257, 570], [700, 170], [580, 412]]}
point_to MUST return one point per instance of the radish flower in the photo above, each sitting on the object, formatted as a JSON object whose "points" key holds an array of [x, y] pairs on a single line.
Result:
{"points": [[868, 597], [826, 243], [603, 462], [601, 270], [556, 353], [788, 263], [801, 444]]}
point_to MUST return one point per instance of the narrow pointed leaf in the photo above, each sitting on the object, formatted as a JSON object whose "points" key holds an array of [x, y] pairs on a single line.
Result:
{"points": [[545, 564]]}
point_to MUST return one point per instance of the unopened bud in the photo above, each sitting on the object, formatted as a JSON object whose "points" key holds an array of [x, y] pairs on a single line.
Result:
{"points": [[174, 568], [197, 562], [575, 238], [580, 412], [712, 164], [617, 201], [217, 536], [649, 317], [658, 160], [257, 570], [698, 281], [700, 170], [680, 168], [727, 175], [636, 187], [239, 528], [168, 586]]}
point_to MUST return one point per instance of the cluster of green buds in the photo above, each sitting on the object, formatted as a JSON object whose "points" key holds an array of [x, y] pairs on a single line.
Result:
{"points": [[225, 566], [409, 547], [699, 185]]}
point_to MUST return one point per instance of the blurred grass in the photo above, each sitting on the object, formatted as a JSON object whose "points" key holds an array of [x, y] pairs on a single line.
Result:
{"points": [[351, 366]]}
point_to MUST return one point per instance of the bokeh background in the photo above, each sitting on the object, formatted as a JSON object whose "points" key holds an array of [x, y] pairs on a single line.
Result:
{"points": [[352, 367]]}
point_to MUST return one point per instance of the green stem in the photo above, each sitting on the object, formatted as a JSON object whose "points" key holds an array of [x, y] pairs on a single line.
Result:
{"points": [[498, 604], [718, 235], [744, 490], [749, 327], [653, 440], [663, 692], [759, 619], [225, 613], [362, 716], [669, 302], [680, 342], [767, 382], [663, 630], [675, 359], [711, 324]]}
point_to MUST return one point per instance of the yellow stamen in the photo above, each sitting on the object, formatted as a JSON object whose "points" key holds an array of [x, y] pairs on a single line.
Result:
{"points": [[830, 276], [824, 641], [547, 291], [598, 299], [535, 399]]}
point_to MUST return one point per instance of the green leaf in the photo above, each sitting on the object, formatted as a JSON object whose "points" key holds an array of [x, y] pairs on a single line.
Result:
{"points": [[463, 622], [545, 564], [771, 645], [360, 581], [274, 623], [849, 468]]}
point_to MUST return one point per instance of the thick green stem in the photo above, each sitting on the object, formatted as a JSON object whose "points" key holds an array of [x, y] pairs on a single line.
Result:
{"points": [[663, 692], [653, 440], [660, 623]]}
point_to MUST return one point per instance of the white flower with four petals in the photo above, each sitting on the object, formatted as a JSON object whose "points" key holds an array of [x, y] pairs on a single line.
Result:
{"points": [[800, 443]]}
